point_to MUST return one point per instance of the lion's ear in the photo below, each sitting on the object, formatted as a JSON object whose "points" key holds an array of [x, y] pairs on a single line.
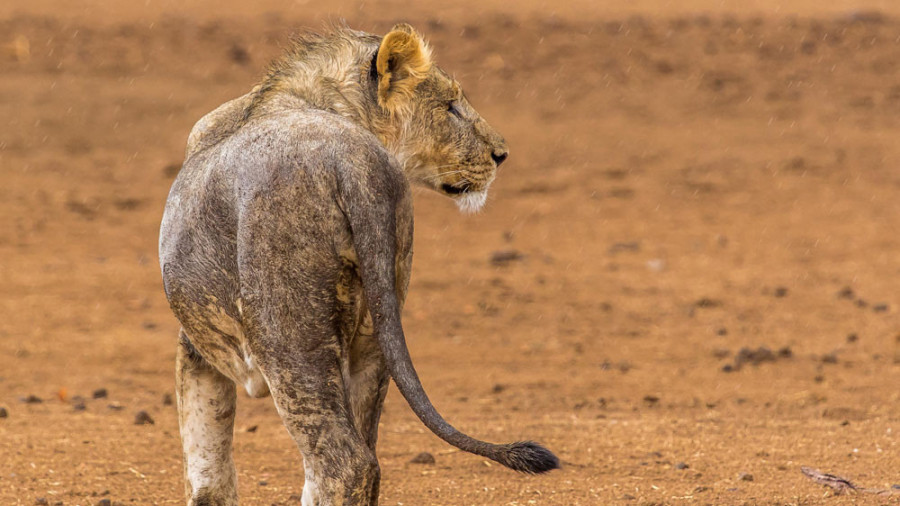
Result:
{"points": [[403, 61]]}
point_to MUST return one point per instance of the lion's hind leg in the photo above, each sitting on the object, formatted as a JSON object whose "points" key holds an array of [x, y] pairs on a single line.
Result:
{"points": [[206, 408]]}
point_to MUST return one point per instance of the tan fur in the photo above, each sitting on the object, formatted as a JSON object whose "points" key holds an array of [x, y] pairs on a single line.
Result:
{"points": [[286, 248], [403, 62]]}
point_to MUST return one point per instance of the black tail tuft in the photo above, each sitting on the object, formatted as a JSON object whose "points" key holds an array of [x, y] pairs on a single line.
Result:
{"points": [[528, 457]]}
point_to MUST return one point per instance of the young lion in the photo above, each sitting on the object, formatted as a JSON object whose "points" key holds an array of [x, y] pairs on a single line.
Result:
{"points": [[286, 248]]}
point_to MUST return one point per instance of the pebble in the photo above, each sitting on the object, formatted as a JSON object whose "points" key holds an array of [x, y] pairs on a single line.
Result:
{"points": [[167, 400], [4, 413], [745, 477], [40, 501], [104, 502], [423, 458], [78, 404], [100, 393], [32, 399], [681, 465], [505, 257], [143, 418]]}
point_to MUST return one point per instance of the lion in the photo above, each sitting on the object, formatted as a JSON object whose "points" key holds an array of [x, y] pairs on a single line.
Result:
{"points": [[286, 248]]}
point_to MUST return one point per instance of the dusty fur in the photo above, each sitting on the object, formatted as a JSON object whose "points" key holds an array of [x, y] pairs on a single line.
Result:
{"points": [[286, 249]]}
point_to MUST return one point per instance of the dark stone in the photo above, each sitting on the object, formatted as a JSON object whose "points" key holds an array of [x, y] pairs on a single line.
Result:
{"points": [[506, 257], [423, 458], [143, 418]]}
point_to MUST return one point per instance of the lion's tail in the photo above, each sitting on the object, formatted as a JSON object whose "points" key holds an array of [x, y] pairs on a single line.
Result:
{"points": [[373, 223]]}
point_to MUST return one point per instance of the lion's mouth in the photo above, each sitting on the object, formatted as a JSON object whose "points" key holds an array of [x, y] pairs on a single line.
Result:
{"points": [[459, 188]]}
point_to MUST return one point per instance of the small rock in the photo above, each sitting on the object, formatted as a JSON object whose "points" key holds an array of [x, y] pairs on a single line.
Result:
{"points": [[423, 458], [721, 352], [78, 404], [32, 399], [629, 497], [104, 502], [251, 429], [819, 378], [143, 418], [41, 501], [681, 466], [727, 368], [171, 170], [880, 308], [785, 352], [167, 399], [846, 293], [895, 486], [499, 387], [781, 291], [115, 406], [861, 303], [852, 338], [829, 358], [4, 413], [755, 357], [505, 257], [722, 332], [745, 477], [238, 54], [651, 400], [700, 489], [263, 483], [707, 302], [100, 393]]}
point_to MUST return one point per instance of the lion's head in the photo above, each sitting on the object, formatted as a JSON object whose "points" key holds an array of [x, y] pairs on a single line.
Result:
{"points": [[390, 86], [441, 140]]}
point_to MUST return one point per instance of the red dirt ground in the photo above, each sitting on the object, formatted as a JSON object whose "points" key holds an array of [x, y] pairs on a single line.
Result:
{"points": [[687, 179]]}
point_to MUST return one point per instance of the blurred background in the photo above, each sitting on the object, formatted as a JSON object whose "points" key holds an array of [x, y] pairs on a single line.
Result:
{"points": [[684, 282]]}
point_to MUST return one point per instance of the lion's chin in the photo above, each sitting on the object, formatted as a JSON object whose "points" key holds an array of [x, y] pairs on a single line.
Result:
{"points": [[471, 202]]}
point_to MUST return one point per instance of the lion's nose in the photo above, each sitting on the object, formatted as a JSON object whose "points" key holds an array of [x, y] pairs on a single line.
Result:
{"points": [[499, 156]]}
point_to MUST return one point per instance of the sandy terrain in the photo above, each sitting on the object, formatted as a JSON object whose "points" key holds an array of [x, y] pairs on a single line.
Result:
{"points": [[687, 179]]}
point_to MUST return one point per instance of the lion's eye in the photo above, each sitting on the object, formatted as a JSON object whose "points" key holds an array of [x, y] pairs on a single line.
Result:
{"points": [[453, 108]]}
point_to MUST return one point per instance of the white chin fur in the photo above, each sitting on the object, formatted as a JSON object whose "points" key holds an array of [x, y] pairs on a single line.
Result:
{"points": [[471, 202]]}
